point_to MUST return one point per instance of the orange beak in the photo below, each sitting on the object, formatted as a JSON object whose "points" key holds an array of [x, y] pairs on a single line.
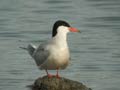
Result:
{"points": [[72, 29]]}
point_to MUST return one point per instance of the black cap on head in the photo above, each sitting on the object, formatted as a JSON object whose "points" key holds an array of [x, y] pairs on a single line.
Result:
{"points": [[57, 24]]}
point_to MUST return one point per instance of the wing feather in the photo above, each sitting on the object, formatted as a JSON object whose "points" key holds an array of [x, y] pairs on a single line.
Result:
{"points": [[41, 54]]}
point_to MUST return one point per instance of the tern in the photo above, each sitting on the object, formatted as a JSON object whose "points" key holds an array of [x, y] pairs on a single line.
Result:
{"points": [[54, 53]]}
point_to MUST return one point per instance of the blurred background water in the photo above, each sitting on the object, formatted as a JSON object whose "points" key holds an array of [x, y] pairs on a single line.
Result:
{"points": [[95, 52]]}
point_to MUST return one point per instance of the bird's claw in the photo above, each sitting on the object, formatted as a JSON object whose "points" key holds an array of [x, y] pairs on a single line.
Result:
{"points": [[50, 76]]}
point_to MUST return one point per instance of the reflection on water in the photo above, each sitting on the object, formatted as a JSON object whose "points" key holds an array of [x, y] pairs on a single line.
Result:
{"points": [[95, 61]]}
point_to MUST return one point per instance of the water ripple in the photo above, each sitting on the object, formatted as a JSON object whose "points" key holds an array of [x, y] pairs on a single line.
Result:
{"points": [[10, 34], [108, 18], [56, 2], [46, 11]]}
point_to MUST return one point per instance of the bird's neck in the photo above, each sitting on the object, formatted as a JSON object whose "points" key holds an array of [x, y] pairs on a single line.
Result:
{"points": [[61, 40]]}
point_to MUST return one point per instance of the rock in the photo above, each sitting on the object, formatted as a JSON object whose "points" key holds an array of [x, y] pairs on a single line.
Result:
{"points": [[54, 83]]}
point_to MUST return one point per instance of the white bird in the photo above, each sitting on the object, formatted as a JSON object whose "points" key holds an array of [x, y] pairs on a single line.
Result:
{"points": [[53, 54]]}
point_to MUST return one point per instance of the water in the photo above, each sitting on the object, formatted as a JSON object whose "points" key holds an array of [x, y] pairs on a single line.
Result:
{"points": [[95, 52]]}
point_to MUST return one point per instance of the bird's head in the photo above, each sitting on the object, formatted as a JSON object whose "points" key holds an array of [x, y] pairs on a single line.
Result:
{"points": [[62, 26]]}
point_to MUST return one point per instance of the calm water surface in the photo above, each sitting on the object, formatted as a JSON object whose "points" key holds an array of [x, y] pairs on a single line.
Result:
{"points": [[95, 52]]}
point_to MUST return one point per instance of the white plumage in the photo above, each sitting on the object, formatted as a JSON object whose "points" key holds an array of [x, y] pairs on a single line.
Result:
{"points": [[54, 53]]}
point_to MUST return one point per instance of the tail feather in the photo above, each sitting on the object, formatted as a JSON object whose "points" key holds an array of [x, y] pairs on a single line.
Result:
{"points": [[31, 48], [23, 48]]}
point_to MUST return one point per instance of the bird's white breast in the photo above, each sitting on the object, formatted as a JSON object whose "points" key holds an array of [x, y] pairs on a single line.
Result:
{"points": [[58, 58], [58, 51]]}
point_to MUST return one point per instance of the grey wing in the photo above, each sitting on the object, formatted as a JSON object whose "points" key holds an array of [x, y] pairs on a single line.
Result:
{"points": [[40, 55], [31, 48]]}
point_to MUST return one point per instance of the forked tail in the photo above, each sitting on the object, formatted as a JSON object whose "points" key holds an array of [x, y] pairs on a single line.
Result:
{"points": [[31, 48]]}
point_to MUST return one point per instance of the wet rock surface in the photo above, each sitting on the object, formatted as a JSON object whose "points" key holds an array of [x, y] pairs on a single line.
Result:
{"points": [[54, 83]]}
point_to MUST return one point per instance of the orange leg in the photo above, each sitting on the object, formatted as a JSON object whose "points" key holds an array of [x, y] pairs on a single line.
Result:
{"points": [[49, 75], [57, 74]]}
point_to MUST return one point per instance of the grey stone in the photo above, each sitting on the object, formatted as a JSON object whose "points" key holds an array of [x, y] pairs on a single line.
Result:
{"points": [[54, 83]]}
